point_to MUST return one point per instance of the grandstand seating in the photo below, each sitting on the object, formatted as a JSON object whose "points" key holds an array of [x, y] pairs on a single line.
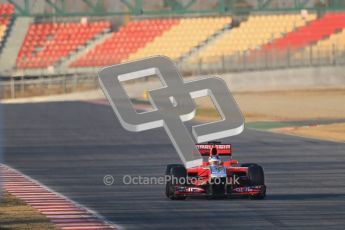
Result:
{"points": [[251, 34], [336, 41], [47, 43], [311, 33], [129, 38], [325, 48], [182, 38], [5, 16]]}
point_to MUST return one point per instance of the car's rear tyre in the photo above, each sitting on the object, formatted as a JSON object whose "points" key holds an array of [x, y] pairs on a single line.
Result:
{"points": [[169, 166], [248, 164], [179, 173], [169, 185], [256, 177]]}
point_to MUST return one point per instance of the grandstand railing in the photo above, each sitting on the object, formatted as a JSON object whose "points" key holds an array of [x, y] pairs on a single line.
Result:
{"points": [[62, 81], [244, 61], [96, 8], [19, 86], [247, 61]]}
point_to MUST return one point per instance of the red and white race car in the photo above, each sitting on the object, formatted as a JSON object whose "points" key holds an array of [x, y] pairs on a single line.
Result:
{"points": [[216, 177]]}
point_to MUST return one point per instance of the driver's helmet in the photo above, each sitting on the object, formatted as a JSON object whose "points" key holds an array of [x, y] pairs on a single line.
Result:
{"points": [[214, 160]]}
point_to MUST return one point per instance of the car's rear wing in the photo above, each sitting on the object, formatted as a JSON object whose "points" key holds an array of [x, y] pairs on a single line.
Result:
{"points": [[222, 149]]}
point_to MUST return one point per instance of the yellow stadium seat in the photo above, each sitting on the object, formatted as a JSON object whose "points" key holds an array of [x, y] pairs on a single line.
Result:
{"points": [[252, 33], [181, 38], [2, 31]]}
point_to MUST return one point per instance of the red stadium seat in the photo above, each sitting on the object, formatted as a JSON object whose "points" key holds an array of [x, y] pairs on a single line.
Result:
{"points": [[313, 32], [128, 39], [46, 43]]}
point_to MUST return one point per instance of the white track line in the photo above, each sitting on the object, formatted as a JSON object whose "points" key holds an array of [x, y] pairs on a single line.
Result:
{"points": [[62, 211]]}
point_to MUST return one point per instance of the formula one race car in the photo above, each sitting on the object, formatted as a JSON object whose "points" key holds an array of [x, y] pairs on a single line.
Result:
{"points": [[215, 178]]}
